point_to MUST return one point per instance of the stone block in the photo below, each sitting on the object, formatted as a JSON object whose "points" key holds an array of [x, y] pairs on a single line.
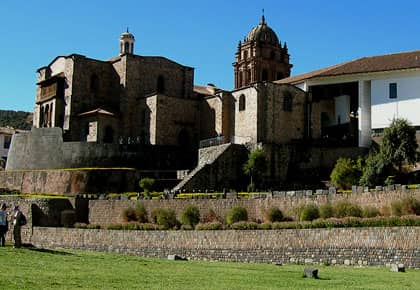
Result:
{"points": [[310, 273], [231, 195], [309, 192], [378, 188], [176, 258], [319, 192], [397, 268], [332, 190], [291, 193]]}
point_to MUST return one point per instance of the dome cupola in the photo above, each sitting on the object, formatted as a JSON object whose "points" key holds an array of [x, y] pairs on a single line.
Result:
{"points": [[126, 43], [263, 33]]}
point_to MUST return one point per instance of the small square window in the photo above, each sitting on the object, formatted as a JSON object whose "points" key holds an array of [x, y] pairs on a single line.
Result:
{"points": [[393, 90]]}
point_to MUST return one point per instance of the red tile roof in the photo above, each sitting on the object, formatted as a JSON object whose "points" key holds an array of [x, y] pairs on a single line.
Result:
{"points": [[387, 62]]}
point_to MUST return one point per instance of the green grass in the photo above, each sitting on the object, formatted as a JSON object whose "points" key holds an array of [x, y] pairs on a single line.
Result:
{"points": [[71, 269]]}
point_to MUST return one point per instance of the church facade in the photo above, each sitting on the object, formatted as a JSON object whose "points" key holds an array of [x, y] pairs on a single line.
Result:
{"points": [[145, 112]]}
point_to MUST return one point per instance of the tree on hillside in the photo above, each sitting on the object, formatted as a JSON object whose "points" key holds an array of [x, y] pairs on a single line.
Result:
{"points": [[254, 167], [399, 143]]}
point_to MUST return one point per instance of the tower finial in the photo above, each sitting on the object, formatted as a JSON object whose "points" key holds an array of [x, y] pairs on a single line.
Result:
{"points": [[127, 29], [262, 18]]}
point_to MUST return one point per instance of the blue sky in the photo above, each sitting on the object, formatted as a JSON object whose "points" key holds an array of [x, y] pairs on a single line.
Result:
{"points": [[202, 34]]}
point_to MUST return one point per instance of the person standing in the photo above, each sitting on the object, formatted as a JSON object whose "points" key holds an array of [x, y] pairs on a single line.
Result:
{"points": [[19, 220], [4, 227]]}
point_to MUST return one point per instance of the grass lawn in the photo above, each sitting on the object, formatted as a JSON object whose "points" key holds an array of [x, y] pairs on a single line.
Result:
{"points": [[71, 269]]}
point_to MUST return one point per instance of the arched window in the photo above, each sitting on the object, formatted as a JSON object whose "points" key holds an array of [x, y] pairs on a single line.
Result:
{"points": [[242, 102], [94, 84], [160, 87], [264, 75], [126, 47], [287, 101], [50, 119]]}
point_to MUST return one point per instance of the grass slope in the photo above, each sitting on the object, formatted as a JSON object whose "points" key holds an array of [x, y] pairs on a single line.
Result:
{"points": [[71, 269]]}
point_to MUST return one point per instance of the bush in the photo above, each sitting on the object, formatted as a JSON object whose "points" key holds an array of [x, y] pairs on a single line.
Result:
{"points": [[209, 226], [141, 213], [129, 214], [309, 212], [407, 206], [273, 214], [167, 218], [347, 209], [244, 225], [147, 185], [190, 216], [411, 205], [236, 214], [346, 173], [210, 216], [251, 187], [326, 211], [265, 226], [68, 218], [370, 212]]}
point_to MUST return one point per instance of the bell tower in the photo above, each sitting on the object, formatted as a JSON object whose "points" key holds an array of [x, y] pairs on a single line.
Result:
{"points": [[126, 43], [260, 57]]}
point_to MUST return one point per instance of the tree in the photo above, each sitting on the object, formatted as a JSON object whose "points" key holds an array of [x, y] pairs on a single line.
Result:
{"points": [[399, 143], [255, 165], [147, 185], [346, 172]]}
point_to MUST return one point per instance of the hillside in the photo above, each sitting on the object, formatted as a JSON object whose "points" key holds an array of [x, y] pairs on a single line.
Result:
{"points": [[16, 119]]}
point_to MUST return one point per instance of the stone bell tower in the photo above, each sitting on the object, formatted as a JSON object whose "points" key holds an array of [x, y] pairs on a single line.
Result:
{"points": [[126, 43], [261, 57]]}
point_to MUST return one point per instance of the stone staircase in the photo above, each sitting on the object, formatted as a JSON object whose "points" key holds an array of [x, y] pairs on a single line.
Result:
{"points": [[207, 157]]}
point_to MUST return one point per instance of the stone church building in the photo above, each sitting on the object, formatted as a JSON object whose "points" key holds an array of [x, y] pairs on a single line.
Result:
{"points": [[146, 112]]}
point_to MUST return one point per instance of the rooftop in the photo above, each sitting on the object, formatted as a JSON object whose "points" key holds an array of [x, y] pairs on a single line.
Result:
{"points": [[387, 62]]}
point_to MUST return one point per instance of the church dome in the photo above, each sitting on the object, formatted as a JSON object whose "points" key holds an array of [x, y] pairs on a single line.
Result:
{"points": [[263, 33], [126, 35]]}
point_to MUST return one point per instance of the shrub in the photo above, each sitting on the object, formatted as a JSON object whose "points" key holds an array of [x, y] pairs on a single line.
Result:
{"points": [[273, 214], [326, 211], [347, 209], [309, 212], [236, 214], [346, 172], [141, 213], [210, 216], [251, 187], [265, 226], [80, 225], [209, 226], [397, 208], [147, 185], [411, 205], [190, 216], [68, 218], [167, 218], [370, 211], [93, 226], [408, 205], [129, 214], [244, 225]]}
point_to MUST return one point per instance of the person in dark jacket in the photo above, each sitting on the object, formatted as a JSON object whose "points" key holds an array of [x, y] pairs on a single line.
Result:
{"points": [[18, 221], [4, 226]]}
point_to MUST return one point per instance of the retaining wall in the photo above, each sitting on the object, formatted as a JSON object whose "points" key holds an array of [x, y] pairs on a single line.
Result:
{"points": [[345, 246], [109, 211]]}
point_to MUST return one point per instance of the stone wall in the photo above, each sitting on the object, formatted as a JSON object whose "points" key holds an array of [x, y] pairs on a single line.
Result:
{"points": [[345, 246], [70, 181], [109, 211]]}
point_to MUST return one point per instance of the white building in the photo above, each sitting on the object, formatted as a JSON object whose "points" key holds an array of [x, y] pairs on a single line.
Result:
{"points": [[368, 92]]}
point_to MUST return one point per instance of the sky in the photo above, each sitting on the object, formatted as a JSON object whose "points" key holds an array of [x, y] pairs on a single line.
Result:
{"points": [[203, 34]]}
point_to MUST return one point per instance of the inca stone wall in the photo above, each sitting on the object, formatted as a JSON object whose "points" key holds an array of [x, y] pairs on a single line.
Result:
{"points": [[345, 246], [109, 211], [70, 181]]}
